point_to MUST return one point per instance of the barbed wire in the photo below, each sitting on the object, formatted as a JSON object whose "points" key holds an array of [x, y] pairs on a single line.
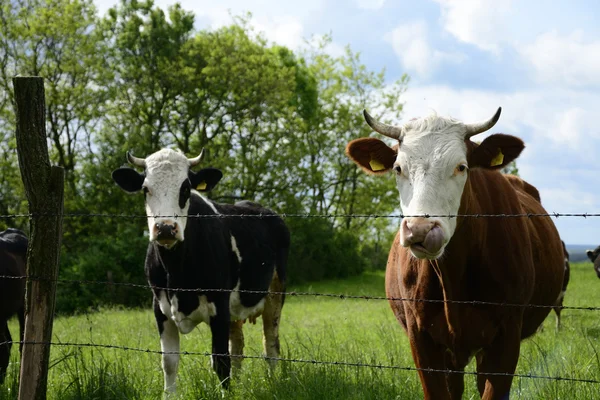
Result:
{"points": [[292, 293], [295, 215], [301, 360]]}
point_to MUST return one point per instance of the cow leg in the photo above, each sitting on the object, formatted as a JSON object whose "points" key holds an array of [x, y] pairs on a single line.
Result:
{"points": [[428, 354], [557, 310], [271, 318], [219, 328], [455, 381], [501, 356], [236, 345], [169, 343], [5, 346]]}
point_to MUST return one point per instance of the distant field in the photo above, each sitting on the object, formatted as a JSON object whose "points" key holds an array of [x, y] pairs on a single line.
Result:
{"points": [[577, 251], [313, 328]]}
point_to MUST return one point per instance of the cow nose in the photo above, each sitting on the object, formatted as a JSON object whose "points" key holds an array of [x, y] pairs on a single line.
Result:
{"points": [[423, 232], [165, 230]]}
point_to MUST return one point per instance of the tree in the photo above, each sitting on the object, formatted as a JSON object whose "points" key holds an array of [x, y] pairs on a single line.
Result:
{"points": [[139, 78]]}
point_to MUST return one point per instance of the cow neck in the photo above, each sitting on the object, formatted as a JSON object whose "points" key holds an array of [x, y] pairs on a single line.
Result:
{"points": [[172, 262], [450, 269]]}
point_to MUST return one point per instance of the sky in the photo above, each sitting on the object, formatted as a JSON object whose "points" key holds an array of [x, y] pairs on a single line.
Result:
{"points": [[537, 59]]}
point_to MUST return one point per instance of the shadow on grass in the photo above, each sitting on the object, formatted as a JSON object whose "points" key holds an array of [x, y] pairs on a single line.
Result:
{"points": [[593, 332]]}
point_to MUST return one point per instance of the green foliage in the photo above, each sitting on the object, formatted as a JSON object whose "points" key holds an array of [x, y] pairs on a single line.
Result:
{"points": [[140, 78], [511, 169], [319, 251]]}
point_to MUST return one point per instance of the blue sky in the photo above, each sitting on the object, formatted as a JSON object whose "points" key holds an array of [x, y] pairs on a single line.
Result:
{"points": [[539, 60]]}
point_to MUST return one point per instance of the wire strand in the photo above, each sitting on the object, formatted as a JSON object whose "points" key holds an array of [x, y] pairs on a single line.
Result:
{"points": [[293, 215], [301, 360], [295, 293]]}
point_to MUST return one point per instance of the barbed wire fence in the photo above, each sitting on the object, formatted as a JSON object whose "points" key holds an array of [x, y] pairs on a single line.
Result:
{"points": [[338, 296], [43, 187]]}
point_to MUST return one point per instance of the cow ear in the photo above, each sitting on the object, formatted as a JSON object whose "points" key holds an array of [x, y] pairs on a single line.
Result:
{"points": [[496, 151], [590, 255], [372, 155], [205, 179], [128, 179]]}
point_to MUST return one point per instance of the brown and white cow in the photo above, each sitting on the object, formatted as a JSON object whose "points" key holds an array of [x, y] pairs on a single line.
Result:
{"points": [[439, 172]]}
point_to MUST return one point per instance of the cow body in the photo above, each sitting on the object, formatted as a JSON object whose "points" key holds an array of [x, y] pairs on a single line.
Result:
{"points": [[228, 254], [505, 265], [450, 260], [520, 184], [13, 252], [204, 269]]}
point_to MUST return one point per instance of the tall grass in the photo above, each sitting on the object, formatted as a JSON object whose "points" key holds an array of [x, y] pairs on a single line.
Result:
{"points": [[313, 328]]}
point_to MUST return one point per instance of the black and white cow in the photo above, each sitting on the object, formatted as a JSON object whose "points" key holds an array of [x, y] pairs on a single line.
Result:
{"points": [[593, 256], [202, 253]]}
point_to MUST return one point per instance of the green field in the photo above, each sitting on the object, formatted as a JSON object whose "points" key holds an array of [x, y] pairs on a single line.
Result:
{"points": [[313, 328]]}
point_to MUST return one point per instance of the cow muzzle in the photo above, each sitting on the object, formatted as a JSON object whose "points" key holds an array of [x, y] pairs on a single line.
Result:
{"points": [[167, 233], [423, 236]]}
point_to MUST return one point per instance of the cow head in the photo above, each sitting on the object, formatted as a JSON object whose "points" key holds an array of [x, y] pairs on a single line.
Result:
{"points": [[593, 256], [167, 183], [431, 161]]}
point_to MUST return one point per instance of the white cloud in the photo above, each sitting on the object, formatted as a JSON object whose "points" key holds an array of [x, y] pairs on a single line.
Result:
{"points": [[280, 22], [560, 118], [286, 31], [370, 4], [478, 22], [569, 59], [411, 45]]}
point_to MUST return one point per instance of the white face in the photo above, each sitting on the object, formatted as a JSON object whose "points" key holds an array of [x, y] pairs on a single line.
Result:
{"points": [[166, 172], [433, 171]]}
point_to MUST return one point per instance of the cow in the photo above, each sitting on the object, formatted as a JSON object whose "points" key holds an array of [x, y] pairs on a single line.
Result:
{"points": [[593, 256], [13, 253], [207, 268], [441, 257]]}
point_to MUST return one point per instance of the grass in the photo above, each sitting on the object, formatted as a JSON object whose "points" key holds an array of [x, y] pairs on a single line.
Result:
{"points": [[327, 329]]}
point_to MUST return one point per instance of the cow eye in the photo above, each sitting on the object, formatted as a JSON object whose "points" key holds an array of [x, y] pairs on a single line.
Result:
{"points": [[398, 169], [462, 168]]}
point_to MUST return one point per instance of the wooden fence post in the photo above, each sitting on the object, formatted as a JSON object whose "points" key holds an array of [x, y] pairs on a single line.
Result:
{"points": [[44, 186]]}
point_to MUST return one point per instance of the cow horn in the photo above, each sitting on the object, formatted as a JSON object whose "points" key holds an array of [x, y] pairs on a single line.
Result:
{"points": [[196, 160], [391, 131], [474, 129], [133, 160]]}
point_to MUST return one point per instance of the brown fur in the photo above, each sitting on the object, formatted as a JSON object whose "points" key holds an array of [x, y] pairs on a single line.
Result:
{"points": [[524, 186], [363, 150], [271, 315], [482, 155], [503, 260]]}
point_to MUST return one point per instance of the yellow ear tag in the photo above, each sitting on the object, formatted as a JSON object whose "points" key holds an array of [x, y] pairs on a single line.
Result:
{"points": [[201, 186], [376, 165], [498, 160]]}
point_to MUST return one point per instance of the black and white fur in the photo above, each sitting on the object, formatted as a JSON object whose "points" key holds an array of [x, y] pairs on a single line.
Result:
{"points": [[232, 253]]}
